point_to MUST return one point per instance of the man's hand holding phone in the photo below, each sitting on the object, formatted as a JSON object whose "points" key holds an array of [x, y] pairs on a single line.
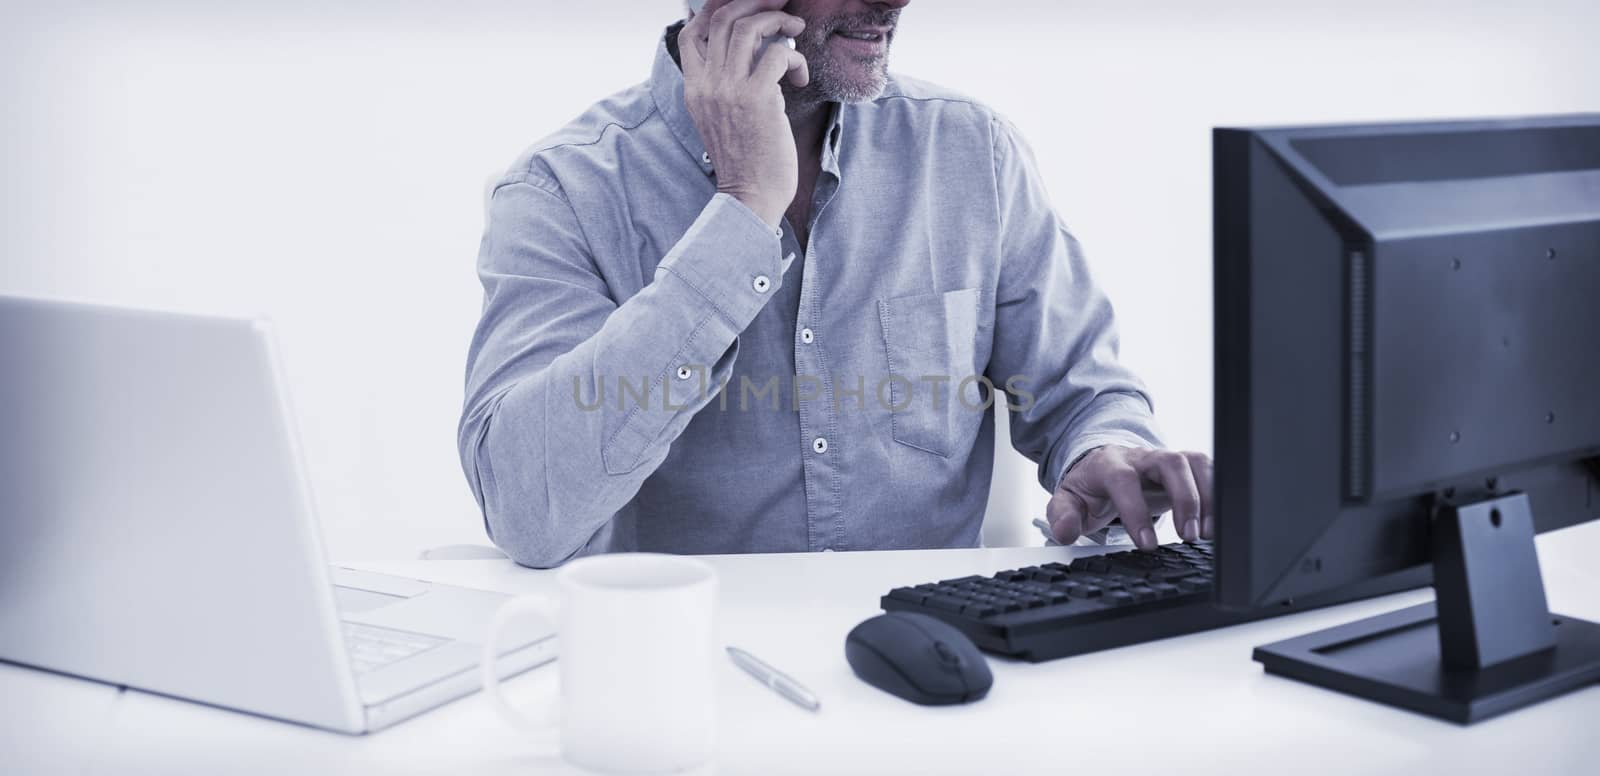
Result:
{"points": [[731, 90]]}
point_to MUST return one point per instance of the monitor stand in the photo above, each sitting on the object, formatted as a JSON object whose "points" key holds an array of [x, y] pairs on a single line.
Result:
{"points": [[1487, 645]]}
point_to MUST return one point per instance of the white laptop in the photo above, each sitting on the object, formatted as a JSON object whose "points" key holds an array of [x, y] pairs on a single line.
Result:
{"points": [[157, 532]]}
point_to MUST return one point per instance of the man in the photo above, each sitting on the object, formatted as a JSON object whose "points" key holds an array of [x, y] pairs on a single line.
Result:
{"points": [[761, 302]]}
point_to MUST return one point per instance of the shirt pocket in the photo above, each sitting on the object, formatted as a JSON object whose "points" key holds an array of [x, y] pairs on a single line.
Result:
{"points": [[935, 399]]}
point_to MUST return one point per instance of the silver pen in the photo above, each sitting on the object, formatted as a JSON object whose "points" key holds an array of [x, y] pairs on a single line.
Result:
{"points": [[775, 679]]}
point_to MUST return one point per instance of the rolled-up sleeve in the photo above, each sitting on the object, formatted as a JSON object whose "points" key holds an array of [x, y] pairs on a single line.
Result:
{"points": [[551, 443], [1055, 334]]}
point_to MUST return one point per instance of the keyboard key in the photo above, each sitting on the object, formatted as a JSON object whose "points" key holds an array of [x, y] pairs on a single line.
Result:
{"points": [[908, 594], [945, 603], [371, 647], [1118, 598], [1139, 560], [1142, 594], [980, 610], [1086, 591], [1167, 574]]}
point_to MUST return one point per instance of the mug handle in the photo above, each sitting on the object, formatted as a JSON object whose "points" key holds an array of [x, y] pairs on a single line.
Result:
{"points": [[545, 729]]}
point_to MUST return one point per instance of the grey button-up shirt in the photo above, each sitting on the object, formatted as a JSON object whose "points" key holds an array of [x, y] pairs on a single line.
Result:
{"points": [[656, 369]]}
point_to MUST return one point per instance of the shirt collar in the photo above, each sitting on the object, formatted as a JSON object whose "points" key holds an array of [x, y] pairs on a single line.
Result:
{"points": [[666, 87], [831, 138]]}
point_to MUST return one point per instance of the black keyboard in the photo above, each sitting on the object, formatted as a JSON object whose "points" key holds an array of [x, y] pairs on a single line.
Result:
{"points": [[1099, 602]]}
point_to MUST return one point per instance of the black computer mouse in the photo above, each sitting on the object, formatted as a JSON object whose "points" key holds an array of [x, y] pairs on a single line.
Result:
{"points": [[918, 658]]}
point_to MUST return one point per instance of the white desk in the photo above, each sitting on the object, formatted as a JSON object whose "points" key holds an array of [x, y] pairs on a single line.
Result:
{"points": [[1195, 704]]}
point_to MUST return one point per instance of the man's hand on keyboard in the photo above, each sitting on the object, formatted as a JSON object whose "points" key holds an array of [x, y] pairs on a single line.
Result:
{"points": [[1135, 484]]}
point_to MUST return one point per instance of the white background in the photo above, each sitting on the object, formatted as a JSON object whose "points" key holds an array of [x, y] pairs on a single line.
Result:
{"points": [[323, 163]]}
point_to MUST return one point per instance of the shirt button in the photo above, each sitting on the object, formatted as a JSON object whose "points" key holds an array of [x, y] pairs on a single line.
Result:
{"points": [[820, 444], [684, 373], [705, 156], [761, 284], [806, 336]]}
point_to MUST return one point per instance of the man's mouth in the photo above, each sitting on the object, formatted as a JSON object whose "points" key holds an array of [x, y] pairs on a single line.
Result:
{"points": [[863, 34]]}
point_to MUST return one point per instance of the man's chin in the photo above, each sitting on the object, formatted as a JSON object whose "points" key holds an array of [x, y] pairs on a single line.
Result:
{"points": [[800, 98], [865, 94], [865, 88]]}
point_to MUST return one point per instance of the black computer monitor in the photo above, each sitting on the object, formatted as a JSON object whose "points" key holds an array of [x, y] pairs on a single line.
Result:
{"points": [[1408, 378]]}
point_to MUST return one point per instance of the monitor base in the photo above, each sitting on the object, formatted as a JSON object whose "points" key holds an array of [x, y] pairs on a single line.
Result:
{"points": [[1395, 659]]}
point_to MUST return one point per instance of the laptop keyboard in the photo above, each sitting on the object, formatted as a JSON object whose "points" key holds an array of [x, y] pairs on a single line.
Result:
{"points": [[371, 647]]}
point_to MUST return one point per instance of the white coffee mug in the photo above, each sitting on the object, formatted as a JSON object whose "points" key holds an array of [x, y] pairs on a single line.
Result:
{"points": [[637, 642]]}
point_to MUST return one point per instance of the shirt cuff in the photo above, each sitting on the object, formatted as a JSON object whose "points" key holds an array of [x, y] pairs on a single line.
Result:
{"points": [[730, 257], [1088, 444], [1115, 420]]}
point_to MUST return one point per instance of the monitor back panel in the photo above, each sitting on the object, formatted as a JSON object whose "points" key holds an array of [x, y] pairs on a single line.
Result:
{"points": [[1393, 324]]}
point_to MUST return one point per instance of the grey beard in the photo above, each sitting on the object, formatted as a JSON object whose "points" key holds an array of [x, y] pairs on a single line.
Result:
{"points": [[828, 84], [828, 80]]}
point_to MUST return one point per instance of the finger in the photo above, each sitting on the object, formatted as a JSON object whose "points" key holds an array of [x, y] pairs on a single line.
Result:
{"points": [[720, 29], [691, 57], [1122, 483], [694, 28], [1172, 471], [780, 59], [751, 31], [1200, 464], [693, 36], [1066, 514]]}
